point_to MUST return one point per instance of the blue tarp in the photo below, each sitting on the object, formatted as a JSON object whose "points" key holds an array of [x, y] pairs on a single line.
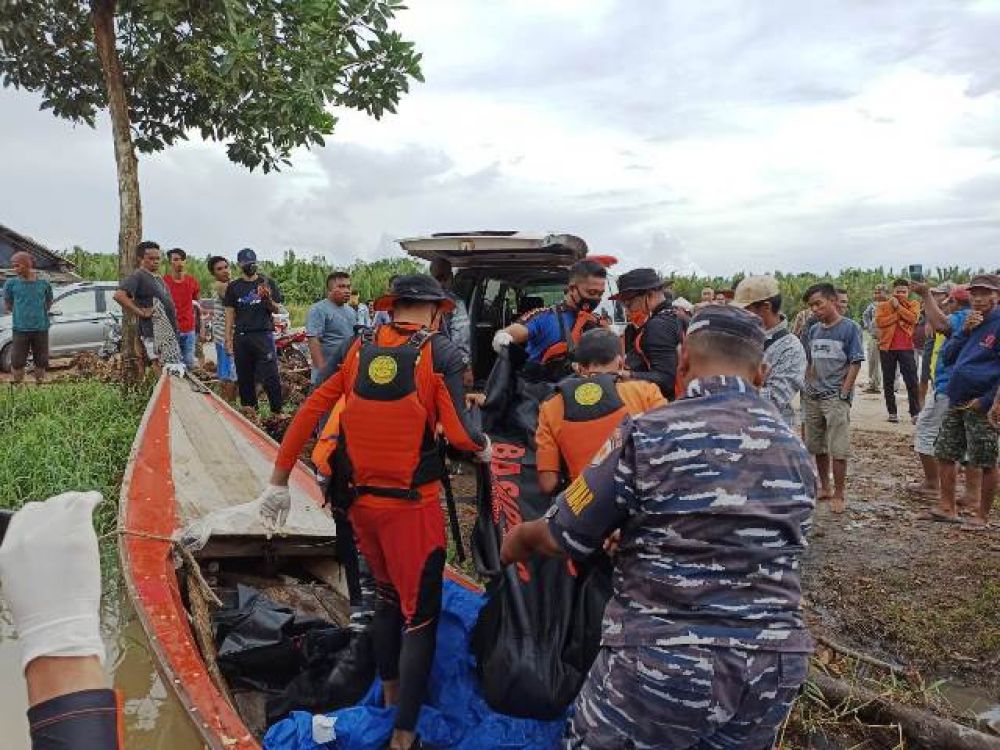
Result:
{"points": [[455, 716]]}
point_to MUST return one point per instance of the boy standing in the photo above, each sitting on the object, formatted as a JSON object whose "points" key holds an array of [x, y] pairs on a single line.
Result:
{"points": [[184, 291], [835, 353]]}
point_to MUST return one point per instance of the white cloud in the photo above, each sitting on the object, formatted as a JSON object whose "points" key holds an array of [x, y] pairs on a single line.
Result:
{"points": [[694, 136]]}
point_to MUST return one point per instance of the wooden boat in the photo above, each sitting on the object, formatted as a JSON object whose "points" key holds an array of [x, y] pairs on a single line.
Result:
{"points": [[193, 460]]}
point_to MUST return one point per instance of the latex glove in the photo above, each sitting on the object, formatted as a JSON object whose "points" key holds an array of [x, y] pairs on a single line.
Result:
{"points": [[500, 340], [485, 456], [51, 574], [275, 502], [176, 369]]}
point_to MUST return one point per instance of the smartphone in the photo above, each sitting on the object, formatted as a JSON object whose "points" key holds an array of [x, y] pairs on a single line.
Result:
{"points": [[916, 272]]}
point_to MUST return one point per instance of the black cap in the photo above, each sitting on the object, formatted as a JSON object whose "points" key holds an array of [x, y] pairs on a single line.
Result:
{"points": [[637, 281], [417, 286], [730, 320], [246, 255]]}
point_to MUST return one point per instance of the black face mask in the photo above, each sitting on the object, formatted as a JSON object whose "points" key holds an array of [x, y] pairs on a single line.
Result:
{"points": [[250, 269], [587, 305]]}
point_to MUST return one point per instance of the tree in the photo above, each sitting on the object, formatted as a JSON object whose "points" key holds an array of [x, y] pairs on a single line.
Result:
{"points": [[257, 75]]}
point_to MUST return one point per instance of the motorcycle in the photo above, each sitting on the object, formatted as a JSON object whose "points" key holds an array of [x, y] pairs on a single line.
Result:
{"points": [[293, 351]]}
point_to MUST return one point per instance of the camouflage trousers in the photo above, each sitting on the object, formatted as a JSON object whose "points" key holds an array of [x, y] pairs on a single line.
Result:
{"points": [[685, 697]]}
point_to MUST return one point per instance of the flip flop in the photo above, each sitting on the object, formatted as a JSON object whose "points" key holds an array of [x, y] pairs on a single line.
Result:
{"points": [[939, 517]]}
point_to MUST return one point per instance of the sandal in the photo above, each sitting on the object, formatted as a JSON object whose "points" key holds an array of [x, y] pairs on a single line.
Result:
{"points": [[936, 515]]}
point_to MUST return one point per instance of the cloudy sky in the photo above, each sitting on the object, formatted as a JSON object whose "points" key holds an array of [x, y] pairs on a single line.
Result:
{"points": [[711, 136]]}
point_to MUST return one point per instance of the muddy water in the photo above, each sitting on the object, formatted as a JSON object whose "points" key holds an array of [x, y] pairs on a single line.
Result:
{"points": [[154, 719]]}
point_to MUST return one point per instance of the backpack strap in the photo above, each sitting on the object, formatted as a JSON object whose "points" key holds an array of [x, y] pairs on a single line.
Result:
{"points": [[777, 337]]}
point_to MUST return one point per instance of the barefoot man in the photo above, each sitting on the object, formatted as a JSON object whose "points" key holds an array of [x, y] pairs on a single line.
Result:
{"points": [[835, 353]]}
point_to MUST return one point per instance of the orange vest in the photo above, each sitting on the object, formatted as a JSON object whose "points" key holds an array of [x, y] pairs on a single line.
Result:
{"points": [[585, 321], [387, 431], [592, 409]]}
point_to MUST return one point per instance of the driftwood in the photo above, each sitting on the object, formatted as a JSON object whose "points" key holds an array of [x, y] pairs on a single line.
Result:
{"points": [[922, 728]]}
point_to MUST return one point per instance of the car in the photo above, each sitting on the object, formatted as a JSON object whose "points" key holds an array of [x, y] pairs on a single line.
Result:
{"points": [[80, 317], [502, 275]]}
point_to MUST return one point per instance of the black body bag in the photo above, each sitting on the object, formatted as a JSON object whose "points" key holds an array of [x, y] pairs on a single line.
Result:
{"points": [[540, 630]]}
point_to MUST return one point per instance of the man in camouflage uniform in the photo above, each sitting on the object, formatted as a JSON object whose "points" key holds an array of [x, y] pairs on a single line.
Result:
{"points": [[704, 644]]}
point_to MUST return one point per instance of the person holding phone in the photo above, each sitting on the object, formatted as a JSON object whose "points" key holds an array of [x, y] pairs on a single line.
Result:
{"points": [[896, 319], [250, 303]]}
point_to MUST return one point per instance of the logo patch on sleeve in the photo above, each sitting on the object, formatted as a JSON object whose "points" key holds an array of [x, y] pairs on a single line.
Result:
{"points": [[578, 496]]}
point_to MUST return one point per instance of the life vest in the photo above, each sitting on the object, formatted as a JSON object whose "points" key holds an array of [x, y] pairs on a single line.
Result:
{"points": [[592, 409], [563, 349], [636, 347], [387, 431], [326, 444]]}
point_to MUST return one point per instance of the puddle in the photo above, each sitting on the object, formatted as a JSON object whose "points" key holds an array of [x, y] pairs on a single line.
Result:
{"points": [[973, 702], [154, 718]]}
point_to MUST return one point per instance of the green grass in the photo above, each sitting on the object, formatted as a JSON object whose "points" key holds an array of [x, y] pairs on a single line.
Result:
{"points": [[67, 436]]}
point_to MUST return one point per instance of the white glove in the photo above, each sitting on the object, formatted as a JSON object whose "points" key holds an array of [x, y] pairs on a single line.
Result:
{"points": [[275, 502], [500, 340], [485, 456], [51, 574], [176, 369]]}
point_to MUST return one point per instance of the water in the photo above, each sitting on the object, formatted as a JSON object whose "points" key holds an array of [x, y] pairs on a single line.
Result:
{"points": [[154, 718]]}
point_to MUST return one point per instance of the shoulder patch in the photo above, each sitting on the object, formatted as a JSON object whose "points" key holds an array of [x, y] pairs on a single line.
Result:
{"points": [[532, 314]]}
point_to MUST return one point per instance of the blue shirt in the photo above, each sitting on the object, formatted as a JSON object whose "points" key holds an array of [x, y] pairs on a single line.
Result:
{"points": [[942, 371], [714, 496], [831, 350], [544, 331], [31, 301], [975, 362], [332, 324]]}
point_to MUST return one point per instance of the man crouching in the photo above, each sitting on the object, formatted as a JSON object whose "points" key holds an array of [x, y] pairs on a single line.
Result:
{"points": [[704, 643]]}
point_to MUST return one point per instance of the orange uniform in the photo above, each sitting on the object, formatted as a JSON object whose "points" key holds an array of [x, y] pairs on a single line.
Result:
{"points": [[575, 422]]}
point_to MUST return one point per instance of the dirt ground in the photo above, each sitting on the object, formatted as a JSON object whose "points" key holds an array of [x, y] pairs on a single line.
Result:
{"points": [[918, 593]]}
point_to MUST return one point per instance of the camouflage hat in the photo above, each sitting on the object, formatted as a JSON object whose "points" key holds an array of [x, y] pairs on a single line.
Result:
{"points": [[731, 320]]}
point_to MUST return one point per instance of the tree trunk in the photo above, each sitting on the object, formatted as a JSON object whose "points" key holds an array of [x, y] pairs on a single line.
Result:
{"points": [[130, 209], [924, 729]]}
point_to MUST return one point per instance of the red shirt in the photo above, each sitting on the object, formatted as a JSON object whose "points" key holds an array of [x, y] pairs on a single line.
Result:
{"points": [[901, 340], [185, 293]]}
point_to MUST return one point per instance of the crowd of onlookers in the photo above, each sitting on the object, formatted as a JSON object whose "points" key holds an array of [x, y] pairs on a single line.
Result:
{"points": [[940, 339]]}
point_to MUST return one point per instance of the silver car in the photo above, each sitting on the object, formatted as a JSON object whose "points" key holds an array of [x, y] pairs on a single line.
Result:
{"points": [[79, 320]]}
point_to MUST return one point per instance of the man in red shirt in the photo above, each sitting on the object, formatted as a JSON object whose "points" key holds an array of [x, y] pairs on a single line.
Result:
{"points": [[184, 290], [896, 319]]}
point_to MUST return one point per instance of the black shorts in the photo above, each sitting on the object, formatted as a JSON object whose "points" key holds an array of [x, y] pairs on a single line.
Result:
{"points": [[37, 342]]}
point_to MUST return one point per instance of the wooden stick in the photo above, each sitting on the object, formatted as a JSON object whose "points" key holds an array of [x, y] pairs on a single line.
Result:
{"points": [[923, 728], [863, 657], [201, 622]]}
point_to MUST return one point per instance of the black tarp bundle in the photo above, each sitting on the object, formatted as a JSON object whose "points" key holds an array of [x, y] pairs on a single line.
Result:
{"points": [[303, 663], [539, 633]]}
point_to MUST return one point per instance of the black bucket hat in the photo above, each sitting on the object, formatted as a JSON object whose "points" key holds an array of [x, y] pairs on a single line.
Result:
{"points": [[418, 287], [636, 282]]}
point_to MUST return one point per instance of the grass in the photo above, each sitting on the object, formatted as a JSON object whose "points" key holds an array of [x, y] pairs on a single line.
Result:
{"points": [[67, 436]]}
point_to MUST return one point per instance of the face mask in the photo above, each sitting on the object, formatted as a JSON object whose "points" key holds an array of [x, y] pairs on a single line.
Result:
{"points": [[249, 269], [586, 304], [638, 318]]}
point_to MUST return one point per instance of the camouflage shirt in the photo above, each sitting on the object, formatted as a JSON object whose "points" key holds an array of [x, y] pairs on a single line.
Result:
{"points": [[714, 496]]}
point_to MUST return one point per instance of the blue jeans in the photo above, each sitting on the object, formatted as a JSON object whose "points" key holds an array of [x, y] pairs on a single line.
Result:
{"points": [[187, 342], [224, 366]]}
